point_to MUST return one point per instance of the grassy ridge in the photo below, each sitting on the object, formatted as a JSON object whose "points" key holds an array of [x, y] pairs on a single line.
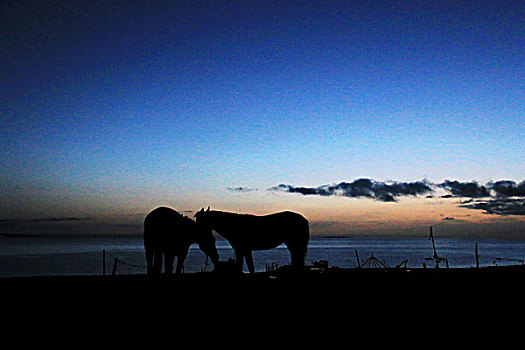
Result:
{"points": [[421, 308]]}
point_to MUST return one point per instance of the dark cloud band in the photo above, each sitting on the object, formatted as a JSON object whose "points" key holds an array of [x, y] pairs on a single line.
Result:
{"points": [[503, 197], [363, 188], [465, 189], [506, 188], [505, 206]]}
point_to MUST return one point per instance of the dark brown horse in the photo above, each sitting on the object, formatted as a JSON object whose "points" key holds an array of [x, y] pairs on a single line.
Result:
{"points": [[169, 234], [247, 233]]}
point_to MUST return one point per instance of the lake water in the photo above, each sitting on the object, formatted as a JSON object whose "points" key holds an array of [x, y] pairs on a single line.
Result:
{"points": [[37, 256]]}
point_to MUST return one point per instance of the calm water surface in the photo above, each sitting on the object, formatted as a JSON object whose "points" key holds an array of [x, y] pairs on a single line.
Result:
{"points": [[37, 256]]}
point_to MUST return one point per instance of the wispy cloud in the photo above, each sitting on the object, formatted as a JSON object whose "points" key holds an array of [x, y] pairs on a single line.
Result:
{"points": [[50, 219], [241, 189], [59, 219], [11, 223]]}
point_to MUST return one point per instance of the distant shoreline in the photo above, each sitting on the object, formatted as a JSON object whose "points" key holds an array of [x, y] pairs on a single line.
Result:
{"points": [[220, 238]]}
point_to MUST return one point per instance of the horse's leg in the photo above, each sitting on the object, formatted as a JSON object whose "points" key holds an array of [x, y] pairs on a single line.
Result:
{"points": [[239, 259], [169, 257], [298, 255], [180, 261], [297, 248], [157, 261], [249, 261], [294, 257], [149, 260]]}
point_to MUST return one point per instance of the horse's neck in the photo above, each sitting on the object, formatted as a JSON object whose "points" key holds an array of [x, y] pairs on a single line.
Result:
{"points": [[230, 226], [223, 230], [188, 230], [227, 226]]}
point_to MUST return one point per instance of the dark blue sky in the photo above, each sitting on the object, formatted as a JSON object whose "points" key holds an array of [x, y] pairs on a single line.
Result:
{"points": [[116, 106]]}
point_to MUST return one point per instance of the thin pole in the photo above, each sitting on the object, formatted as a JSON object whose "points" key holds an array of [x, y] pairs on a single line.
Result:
{"points": [[357, 258], [103, 262], [114, 267], [477, 256], [436, 257]]}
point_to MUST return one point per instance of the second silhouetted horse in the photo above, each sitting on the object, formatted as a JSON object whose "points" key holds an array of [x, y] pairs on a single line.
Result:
{"points": [[169, 234], [247, 233]]}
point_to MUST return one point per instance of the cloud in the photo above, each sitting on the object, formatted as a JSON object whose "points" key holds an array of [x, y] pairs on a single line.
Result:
{"points": [[467, 201], [363, 188], [14, 223], [507, 188], [501, 206], [302, 190], [465, 189], [504, 197], [504, 201], [241, 189], [322, 224], [7, 223], [53, 219]]}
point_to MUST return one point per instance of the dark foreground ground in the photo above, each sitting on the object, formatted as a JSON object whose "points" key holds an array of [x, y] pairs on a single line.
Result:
{"points": [[353, 309]]}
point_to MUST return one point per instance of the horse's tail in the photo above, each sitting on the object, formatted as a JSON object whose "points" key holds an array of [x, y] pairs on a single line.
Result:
{"points": [[300, 244], [305, 234], [304, 231]]}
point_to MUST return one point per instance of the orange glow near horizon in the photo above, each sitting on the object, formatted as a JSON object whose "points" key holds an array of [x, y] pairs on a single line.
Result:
{"points": [[124, 212]]}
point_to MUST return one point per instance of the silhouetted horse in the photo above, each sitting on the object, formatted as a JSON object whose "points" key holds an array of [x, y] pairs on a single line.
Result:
{"points": [[247, 233], [167, 234]]}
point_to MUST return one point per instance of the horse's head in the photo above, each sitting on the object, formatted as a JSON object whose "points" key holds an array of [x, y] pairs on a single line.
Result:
{"points": [[202, 217], [205, 238], [207, 245]]}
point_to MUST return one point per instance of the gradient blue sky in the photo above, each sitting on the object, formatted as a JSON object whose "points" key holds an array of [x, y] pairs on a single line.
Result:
{"points": [[109, 109]]}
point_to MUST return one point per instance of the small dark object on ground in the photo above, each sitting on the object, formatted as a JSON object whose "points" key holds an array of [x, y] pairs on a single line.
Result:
{"points": [[226, 267], [321, 264]]}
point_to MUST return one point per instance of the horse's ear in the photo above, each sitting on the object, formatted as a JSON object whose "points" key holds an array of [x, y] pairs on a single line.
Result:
{"points": [[202, 210], [208, 209]]}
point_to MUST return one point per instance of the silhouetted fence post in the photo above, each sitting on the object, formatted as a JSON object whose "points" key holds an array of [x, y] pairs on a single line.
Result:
{"points": [[357, 257], [103, 262]]}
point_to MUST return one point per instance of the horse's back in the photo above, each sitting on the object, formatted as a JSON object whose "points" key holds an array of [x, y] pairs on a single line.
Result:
{"points": [[291, 229], [286, 219], [297, 224], [287, 216], [162, 216], [166, 225], [289, 226], [260, 232]]}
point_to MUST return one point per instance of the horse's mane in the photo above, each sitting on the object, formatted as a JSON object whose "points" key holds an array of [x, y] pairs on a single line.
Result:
{"points": [[228, 213], [186, 219], [224, 214]]}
